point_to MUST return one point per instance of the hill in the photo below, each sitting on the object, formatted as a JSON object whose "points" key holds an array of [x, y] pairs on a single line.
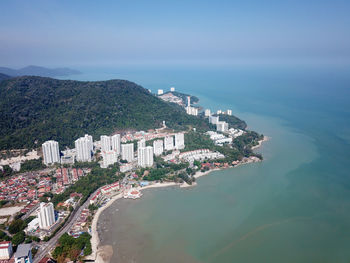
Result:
{"points": [[3, 77], [36, 109], [39, 71]]}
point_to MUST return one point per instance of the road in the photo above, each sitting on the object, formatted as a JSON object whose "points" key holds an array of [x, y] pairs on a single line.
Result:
{"points": [[46, 247]]}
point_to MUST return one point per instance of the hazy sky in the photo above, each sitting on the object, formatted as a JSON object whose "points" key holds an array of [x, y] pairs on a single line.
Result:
{"points": [[84, 32]]}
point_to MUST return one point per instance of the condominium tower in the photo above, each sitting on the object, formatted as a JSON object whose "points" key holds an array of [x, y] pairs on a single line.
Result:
{"points": [[51, 152], [145, 156], [84, 147], [46, 215], [128, 152]]}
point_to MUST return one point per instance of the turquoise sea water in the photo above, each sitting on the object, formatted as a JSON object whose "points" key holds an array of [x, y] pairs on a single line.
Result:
{"points": [[292, 207]]}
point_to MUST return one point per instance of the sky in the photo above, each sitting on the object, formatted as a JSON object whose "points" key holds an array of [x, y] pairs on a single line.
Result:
{"points": [[87, 32]]}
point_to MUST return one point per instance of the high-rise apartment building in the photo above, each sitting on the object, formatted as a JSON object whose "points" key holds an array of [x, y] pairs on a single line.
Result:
{"points": [[158, 147], [179, 141], [145, 156], [141, 143], [84, 147], [51, 152], [207, 113], [46, 215], [106, 143], [169, 143], [115, 141], [128, 152]]}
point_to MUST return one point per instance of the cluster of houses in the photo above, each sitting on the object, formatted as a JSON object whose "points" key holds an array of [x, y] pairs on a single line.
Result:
{"points": [[22, 188], [66, 177], [80, 225], [32, 186], [105, 191]]}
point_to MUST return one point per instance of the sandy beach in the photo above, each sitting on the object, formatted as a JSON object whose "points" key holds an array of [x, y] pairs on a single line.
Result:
{"points": [[103, 254]]}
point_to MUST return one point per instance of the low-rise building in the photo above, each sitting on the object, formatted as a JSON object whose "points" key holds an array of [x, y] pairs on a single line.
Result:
{"points": [[24, 254], [5, 250]]}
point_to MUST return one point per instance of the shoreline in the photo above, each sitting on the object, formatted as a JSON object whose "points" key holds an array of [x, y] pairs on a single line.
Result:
{"points": [[265, 139], [98, 253]]}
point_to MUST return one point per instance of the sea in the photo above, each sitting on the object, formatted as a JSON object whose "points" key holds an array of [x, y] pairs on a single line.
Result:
{"points": [[294, 206]]}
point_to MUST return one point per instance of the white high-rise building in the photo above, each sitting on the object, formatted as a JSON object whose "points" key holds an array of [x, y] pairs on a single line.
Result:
{"points": [[207, 113], [145, 156], [141, 143], [84, 147], [168, 143], [192, 111], [213, 119], [106, 144], [229, 112], [46, 215], [179, 141], [222, 126], [188, 101], [158, 147], [109, 158], [116, 143], [172, 89], [128, 152], [51, 152], [160, 92]]}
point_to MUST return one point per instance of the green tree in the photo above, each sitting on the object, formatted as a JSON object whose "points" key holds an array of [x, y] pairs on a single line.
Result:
{"points": [[18, 238]]}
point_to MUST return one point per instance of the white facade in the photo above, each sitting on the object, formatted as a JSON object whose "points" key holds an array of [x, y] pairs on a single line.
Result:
{"points": [[116, 143], [51, 152], [207, 113], [172, 89], [169, 143], [179, 141], [128, 152], [158, 147], [218, 111], [6, 250], [192, 111], [106, 144], [141, 143], [213, 119], [229, 112], [109, 158], [222, 126], [145, 156], [188, 101], [84, 147], [160, 92], [46, 215], [110, 143]]}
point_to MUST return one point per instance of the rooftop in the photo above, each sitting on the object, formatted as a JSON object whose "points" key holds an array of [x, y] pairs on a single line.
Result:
{"points": [[23, 250]]}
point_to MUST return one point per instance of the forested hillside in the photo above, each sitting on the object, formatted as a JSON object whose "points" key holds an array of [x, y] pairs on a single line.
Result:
{"points": [[36, 109]]}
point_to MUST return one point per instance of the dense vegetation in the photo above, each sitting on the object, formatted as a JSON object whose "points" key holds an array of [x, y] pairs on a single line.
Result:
{"points": [[70, 247], [32, 165], [36, 109]]}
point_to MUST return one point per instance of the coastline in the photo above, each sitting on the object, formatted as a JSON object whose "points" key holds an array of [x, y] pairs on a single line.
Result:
{"points": [[265, 139], [99, 255]]}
